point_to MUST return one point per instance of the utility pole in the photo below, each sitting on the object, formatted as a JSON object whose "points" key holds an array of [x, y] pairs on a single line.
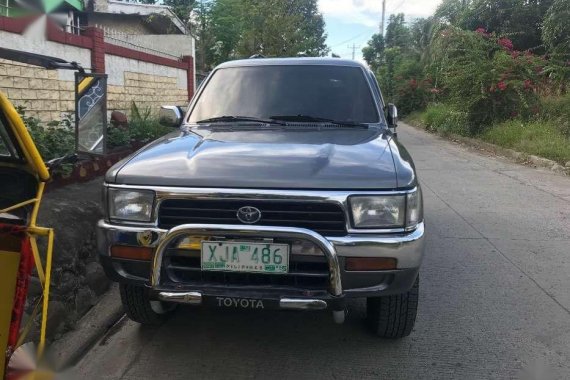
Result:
{"points": [[383, 18], [353, 47]]}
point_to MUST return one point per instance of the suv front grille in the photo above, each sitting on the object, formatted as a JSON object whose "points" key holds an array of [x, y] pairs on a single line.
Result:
{"points": [[306, 272], [327, 219]]}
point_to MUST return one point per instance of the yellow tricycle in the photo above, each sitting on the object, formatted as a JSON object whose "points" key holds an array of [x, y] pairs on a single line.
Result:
{"points": [[23, 177]]}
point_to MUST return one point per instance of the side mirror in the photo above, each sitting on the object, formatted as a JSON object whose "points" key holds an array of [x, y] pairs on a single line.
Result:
{"points": [[391, 115], [91, 113], [170, 116]]}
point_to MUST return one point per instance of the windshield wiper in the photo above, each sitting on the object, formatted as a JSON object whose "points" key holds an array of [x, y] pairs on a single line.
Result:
{"points": [[225, 119], [315, 119]]}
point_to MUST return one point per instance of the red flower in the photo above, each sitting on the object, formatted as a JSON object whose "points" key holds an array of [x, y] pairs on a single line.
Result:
{"points": [[502, 85], [527, 84], [482, 31], [506, 43]]}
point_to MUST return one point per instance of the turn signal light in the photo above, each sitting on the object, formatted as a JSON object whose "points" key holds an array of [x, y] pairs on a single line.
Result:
{"points": [[131, 253], [370, 263]]}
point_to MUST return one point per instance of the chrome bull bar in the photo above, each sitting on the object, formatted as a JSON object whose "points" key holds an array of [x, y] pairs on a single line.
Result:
{"points": [[245, 231]]}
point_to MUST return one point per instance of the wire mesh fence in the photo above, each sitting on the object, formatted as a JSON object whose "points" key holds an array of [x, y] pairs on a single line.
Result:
{"points": [[129, 41]]}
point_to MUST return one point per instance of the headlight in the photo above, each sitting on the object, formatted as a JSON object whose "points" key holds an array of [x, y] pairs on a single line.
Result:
{"points": [[387, 211], [378, 211], [133, 205]]}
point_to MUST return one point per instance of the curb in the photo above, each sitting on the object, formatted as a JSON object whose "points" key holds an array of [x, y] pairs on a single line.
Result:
{"points": [[68, 350], [519, 157]]}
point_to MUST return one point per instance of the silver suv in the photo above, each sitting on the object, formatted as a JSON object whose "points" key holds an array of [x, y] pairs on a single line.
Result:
{"points": [[283, 186]]}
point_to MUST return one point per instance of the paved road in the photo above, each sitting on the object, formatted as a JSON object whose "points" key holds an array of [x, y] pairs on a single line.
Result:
{"points": [[495, 296]]}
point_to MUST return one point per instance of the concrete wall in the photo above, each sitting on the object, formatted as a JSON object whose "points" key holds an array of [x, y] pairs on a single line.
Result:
{"points": [[48, 94], [40, 91], [34, 40], [176, 45], [147, 91]]}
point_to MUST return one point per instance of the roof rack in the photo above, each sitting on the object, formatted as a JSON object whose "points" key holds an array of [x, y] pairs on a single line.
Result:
{"points": [[257, 56]]}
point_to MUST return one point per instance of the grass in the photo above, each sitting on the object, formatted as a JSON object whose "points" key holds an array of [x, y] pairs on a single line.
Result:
{"points": [[540, 138], [443, 119], [547, 135]]}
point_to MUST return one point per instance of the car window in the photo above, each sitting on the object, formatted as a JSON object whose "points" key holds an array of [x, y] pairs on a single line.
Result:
{"points": [[339, 93], [7, 149]]}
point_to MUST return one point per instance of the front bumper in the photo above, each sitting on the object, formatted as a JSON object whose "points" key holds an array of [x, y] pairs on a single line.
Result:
{"points": [[407, 248]]}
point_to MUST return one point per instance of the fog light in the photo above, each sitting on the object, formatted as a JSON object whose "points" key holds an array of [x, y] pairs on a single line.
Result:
{"points": [[370, 263], [131, 253]]}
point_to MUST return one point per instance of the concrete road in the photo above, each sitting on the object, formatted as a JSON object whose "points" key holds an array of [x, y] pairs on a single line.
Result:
{"points": [[495, 296]]}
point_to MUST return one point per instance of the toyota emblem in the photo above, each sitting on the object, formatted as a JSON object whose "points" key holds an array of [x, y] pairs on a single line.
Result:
{"points": [[249, 215]]}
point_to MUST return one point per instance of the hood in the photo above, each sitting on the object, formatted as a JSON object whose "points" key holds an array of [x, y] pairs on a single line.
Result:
{"points": [[263, 157]]}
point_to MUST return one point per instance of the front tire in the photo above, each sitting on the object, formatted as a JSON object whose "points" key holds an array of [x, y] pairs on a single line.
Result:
{"points": [[393, 316], [140, 308]]}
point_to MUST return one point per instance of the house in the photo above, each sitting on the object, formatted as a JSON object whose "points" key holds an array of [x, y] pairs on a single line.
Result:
{"points": [[145, 50]]}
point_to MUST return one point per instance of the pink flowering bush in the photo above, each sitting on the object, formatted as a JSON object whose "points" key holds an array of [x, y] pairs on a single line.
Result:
{"points": [[485, 76]]}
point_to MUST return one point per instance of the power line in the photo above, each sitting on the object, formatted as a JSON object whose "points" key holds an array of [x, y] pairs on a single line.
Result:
{"points": [[398, 6], [350, 39]]}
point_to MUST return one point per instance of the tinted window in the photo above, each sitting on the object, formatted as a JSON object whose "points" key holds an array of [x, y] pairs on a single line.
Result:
{"points": [[333, 92]]}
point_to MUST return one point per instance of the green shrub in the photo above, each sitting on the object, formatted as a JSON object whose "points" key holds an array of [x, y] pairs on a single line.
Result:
{"points": [[143, 126], [57, 139], [557, 110], [117, 137], [445, 119]]}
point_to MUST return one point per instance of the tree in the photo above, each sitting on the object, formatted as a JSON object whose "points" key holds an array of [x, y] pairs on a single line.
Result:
{"points": [[397, 33], [422, 32], [556, 28], [373, 53], [226, 27], [281, 28], [182, 8], [452, 11], [519, 20]]}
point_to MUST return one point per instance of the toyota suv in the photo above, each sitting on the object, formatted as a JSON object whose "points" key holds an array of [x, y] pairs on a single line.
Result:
{"points": [[283, 186]]}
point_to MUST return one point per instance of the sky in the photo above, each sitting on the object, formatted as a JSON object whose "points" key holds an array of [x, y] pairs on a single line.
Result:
{"points": [[351, 22]]}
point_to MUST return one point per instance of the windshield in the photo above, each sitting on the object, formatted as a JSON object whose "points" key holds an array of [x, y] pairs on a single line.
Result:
{"points": [[339, 93]]}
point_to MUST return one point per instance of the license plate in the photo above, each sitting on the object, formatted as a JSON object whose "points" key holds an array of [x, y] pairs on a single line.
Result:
{"points": [[245, 257]]}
